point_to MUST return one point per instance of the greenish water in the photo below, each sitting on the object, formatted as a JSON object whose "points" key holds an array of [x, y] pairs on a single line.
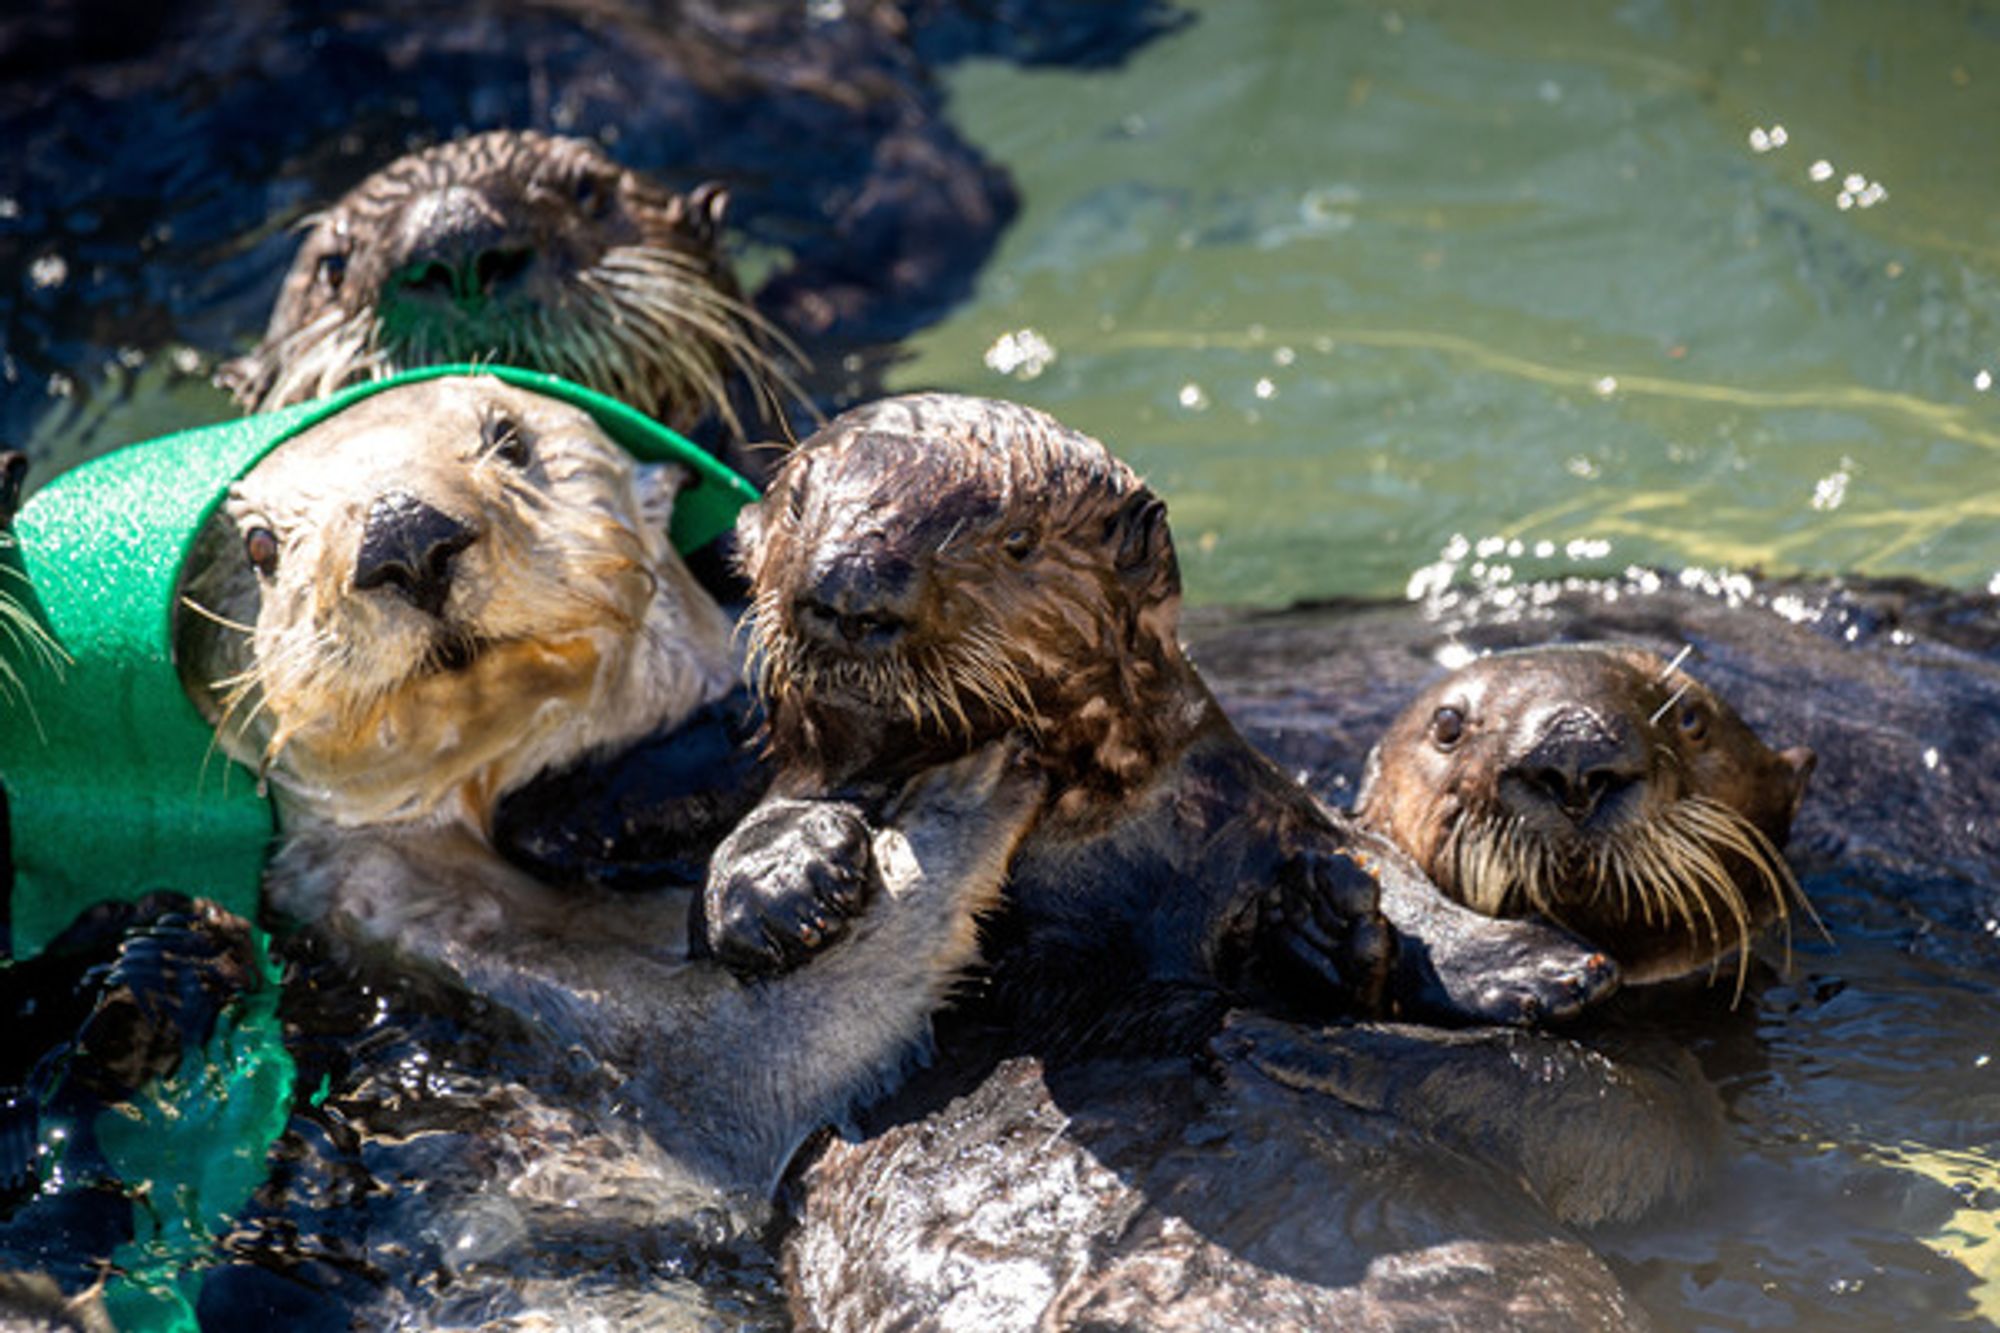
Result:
{"points": [[1374, 291]]}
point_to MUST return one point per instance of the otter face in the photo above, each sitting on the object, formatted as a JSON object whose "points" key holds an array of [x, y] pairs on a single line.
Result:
{"points": [[437, 593], [528, 250], [1602, 789], [929, 572]]}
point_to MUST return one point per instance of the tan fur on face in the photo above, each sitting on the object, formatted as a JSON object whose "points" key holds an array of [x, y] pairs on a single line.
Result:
{"points": [[1681, 872], [581, 624], [628, 291]]}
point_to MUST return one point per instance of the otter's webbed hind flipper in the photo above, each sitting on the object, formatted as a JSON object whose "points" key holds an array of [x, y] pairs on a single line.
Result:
{"points": [[1455, 965]]}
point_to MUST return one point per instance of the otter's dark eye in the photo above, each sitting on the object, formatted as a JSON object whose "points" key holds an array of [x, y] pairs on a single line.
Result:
{"points": [[333, 269], [501, 437], [1447, 727], [592, 194], [1019, 544], [260, 548], [1694, 722]]}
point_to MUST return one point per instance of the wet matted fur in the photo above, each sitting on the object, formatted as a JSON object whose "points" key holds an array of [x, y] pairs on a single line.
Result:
{"points": [[932, 572], [530, 250], [420, 603]]}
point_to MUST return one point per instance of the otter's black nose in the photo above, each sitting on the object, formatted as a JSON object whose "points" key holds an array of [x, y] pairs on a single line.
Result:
{"points": [[407, 547], [1579, 761], [864, 604], [456, 246], [482, 273]]}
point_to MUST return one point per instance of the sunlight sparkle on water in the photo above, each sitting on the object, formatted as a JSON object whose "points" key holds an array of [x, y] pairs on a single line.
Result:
{"points": [[1831, 490], [1024, 354]]}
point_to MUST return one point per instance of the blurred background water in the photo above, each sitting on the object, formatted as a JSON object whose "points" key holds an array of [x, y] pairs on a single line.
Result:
{"points": [[1377, 292]]}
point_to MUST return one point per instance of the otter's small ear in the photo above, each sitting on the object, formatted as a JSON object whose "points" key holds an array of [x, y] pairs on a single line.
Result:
{"points": [[13, 475], [658, 485], [1371, 773], [707, 203], [245, 378], [1139, 531], [1801, 761], [750, 537]]}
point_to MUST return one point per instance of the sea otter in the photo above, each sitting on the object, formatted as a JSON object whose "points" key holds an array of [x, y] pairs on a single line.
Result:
{"points": [[1601, 788], [931, 573], [422, 602], [532, 250], [1372, 1175]]}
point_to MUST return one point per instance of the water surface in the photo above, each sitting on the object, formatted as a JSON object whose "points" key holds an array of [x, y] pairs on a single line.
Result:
{"points": [[1359, 285]]}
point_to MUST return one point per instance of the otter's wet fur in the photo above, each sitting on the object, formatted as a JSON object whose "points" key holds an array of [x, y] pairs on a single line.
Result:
{"points": [[422, 602], [15, 622], [1371, 1176], [1602, 788], [930, 573], [529, 250]]}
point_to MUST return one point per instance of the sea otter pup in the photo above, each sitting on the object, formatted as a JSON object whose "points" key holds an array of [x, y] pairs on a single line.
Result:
{"points": [[1600, 788], [931, 573], [423, 601], [531, 250]]}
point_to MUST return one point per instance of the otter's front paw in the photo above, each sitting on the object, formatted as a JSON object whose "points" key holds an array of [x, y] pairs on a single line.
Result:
{"points": [[1322, 938], [1517, 973], [785, 884]]}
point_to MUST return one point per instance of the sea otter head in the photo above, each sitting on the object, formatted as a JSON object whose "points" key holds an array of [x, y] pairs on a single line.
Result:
{"points": [[1601, 788], [526, 250], [931, 572], [430, 596]]}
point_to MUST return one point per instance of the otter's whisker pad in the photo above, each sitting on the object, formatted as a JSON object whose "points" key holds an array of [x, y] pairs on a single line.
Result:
{"points": [[113, 785]]}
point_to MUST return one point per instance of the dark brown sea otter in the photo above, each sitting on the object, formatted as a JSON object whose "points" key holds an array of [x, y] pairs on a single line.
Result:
{"points": [[932, 572], [529, 250], [1600, 788]]}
